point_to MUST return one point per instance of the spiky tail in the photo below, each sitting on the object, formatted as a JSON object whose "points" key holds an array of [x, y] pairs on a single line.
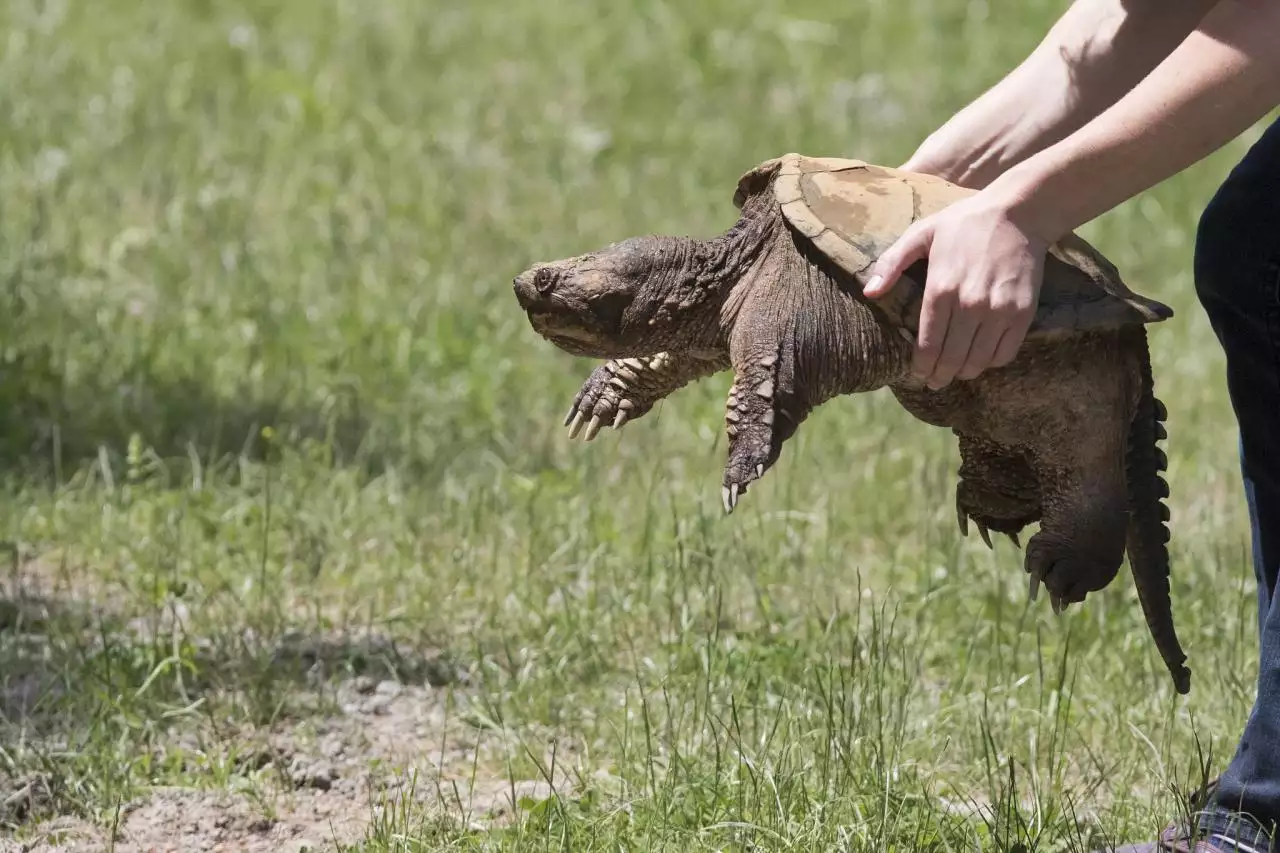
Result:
{"points": [[1148, 537]]}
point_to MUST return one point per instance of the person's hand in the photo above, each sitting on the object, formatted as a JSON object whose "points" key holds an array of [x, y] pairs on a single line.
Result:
{"points": [[980, 295]]}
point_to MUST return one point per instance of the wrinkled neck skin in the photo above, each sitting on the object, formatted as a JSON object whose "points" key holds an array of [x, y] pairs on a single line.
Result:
{"points": [[680, 305]]}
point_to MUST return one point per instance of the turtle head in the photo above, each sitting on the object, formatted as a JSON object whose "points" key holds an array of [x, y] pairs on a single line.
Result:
{"points": [[632, 298]]}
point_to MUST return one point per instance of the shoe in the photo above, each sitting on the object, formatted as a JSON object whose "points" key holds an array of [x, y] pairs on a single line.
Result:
{"points": [[1172, 840]]}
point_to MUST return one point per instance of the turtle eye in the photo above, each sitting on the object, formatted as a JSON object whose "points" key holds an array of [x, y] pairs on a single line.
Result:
{"points": [[544, 281]]}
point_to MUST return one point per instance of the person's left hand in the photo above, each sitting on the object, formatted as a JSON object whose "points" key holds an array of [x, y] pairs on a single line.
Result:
{"points": [[981, 291]]}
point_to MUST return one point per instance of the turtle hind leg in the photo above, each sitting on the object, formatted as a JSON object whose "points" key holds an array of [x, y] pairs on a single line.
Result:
{"points": [[998, 489]]}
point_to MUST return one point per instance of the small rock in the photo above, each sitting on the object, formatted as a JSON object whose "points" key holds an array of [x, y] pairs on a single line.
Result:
{"points": [[388, 688], [378, 706], [332, 746], [318, 774], [364, 685]]}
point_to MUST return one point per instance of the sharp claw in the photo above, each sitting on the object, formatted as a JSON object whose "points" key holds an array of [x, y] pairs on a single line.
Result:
{"points": [[986, 535], [729, 494], [573, 410], [620, 419], [1035, 587], [1056, 603], [576, 425], [1017, 543], [592, 428], [759, 470], [963, 521]]}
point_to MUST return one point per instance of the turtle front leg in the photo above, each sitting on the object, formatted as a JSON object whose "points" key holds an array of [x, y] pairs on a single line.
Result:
{"points": [[798, 342], [621, 390], [758, 417]]}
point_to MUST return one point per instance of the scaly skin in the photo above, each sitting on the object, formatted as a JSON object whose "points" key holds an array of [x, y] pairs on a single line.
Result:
{"points": [[1064, 435], [621, 390], [998, 489]]}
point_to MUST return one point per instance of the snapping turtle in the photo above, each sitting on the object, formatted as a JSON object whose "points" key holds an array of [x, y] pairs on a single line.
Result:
{"points": [[1064, 435]]}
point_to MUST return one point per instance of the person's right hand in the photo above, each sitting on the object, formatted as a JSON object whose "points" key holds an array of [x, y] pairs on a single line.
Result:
{"points": [[980, 294]]}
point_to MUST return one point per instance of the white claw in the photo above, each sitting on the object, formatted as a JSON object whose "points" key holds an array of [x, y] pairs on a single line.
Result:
{"points": [[759, 470], [729, 494], [592, 428], [576, 425], [569, 417], [620, 419]]}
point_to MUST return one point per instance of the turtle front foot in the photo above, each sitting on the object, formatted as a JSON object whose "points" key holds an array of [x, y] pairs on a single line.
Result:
{"points": [[623, 389], [756, 427], [609, 396]]}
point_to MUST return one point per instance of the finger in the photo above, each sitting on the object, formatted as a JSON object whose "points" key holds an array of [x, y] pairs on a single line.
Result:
{"points": [[913, 245], [983, 350], [1011, 342], [961, 328], [935, 314]]}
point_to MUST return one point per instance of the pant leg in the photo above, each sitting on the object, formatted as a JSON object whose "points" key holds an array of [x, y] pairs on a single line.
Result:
{"points": [[1237, 272]]}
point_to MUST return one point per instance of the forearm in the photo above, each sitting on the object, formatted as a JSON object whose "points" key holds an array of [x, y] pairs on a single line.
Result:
{"points": [[1221, 80], [1092, 55]]}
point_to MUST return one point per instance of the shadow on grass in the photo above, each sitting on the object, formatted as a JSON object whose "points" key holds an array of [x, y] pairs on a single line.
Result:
{"points": [[51, 427], [94, 703], [53, 648]]}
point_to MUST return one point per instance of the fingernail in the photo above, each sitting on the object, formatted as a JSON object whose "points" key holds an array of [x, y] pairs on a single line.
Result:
{"points": [[874, 283]]}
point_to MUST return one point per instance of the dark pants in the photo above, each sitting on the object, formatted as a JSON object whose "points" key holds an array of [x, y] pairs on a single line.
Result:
{"points": [[1237, 272]]}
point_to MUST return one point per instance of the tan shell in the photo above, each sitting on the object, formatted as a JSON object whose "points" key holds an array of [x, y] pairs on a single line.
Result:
{"points": [[853, 211]]}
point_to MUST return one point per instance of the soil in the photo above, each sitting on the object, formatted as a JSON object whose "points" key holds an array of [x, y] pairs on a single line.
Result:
{"points": [[334, 775], [312, 781]]}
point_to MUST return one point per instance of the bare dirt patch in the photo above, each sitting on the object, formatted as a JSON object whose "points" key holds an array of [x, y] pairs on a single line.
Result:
{"points": [[321, 783], [316, 779]]}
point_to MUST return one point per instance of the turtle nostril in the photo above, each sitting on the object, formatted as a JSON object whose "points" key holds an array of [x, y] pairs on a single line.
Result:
{"points": [[544, 281]]}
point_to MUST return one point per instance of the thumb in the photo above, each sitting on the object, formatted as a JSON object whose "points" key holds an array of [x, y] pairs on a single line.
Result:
{"points": [[913, 245]]}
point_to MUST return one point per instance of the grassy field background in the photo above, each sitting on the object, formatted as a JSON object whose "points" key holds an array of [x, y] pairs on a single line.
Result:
{"points": [[302, 557]]}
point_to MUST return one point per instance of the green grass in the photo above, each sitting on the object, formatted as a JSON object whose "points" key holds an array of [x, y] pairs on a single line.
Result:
{"points": [[264, 387]]}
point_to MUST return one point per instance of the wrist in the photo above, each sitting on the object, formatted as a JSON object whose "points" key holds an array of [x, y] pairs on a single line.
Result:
{"points": [[1023, 193], [1011, 122]]}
